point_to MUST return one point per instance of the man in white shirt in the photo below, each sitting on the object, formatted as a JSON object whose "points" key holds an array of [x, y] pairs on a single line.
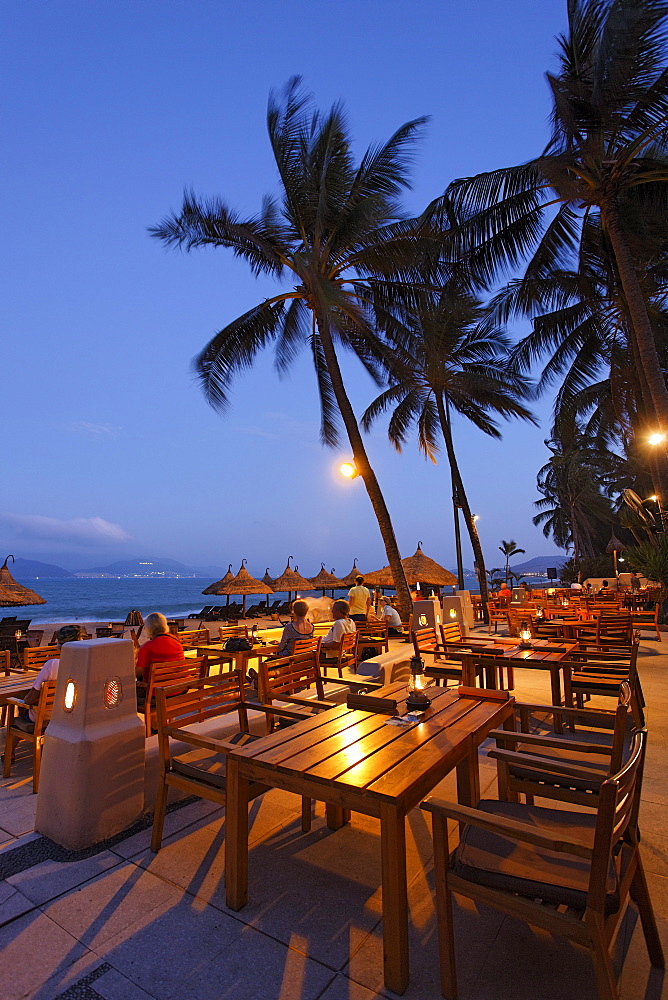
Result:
{"points": [[49, 672], [392, 620], [342, 623]]}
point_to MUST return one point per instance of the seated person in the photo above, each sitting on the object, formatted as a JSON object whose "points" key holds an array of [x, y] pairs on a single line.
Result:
{"points": [[298, 628], [504, 595], [329, 646], [162, 647], [392, 619], [49, 671]]}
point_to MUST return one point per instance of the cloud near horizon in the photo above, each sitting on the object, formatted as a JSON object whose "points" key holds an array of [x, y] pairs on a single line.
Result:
{"points": [[77, 531]]}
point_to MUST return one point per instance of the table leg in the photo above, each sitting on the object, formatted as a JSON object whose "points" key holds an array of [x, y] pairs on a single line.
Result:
{"points": [[236, 837], [468, 778], [336, 816], [555, 679], [395, 898]]}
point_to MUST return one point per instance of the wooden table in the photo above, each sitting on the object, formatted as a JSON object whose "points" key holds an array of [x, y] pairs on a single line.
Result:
{"points": [[355, 761], [239, 657], [543, 655], [15, 686]]}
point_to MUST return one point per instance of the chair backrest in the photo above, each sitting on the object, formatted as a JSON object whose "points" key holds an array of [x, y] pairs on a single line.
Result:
{"points": [[617, 820], [44, 710], [348, 644], [307, 645], [288, 676], [177, 707], [173, 673], [35, 656], [614, 626], [451, 632], [5, 656], [232, 632], [518, 620], [424, 640], [194, 637], [496, 612]]}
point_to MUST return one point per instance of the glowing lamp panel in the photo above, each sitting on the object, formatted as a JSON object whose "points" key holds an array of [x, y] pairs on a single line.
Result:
{"points": [[423, 620], [70, 698], [113, 692]]}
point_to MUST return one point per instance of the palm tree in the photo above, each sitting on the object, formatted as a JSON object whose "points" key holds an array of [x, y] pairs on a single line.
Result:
{"points": [[606, 155], [510, 549], [448, 356], [338, 226]]}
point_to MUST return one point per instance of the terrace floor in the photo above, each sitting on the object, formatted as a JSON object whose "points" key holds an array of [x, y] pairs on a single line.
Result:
{"points": [[125, 924]]}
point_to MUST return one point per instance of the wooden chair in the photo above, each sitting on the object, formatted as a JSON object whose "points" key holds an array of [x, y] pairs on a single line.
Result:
{"points": [[4, 662], [506, 859], [426, 642], [569, 767], [647, 621], [346, 655], [201, 771], [310, 644], [169, 673], [373, 634], [14, 733], [34, 657], [282, 679], [226, 632], [189, 638], [496, 615], [601, 676]]}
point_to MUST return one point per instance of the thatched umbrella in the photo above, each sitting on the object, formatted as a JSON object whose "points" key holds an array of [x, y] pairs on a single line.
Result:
{"points": [[326, 581], [614, 546], [13, 594], [349, 581], [291, 581], [418, 568], [243, 583], [269, 580], [214, 589]]}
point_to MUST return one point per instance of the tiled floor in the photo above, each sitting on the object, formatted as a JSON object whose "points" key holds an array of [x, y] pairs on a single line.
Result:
{"points": [[126, 924]]}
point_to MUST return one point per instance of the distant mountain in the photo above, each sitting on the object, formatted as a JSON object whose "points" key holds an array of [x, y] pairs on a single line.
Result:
{"points": [[32, 569], [140, 568], [537, 565]]}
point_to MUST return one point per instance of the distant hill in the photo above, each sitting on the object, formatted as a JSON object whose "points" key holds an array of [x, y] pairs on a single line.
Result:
{"points": [[537, 565], [32, 569], [140, 568]]}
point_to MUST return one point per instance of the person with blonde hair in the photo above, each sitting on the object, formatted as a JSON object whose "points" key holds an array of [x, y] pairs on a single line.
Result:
{"points": [[160, 648], [342, 624], [299, 628]]}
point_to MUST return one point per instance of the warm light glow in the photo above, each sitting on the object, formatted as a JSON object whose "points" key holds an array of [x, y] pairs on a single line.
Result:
{"points": [[656, 438], [476, 517], [70, 696], [653, 498], [525, 635], [348, 470], [453, 613], [423, 620]]}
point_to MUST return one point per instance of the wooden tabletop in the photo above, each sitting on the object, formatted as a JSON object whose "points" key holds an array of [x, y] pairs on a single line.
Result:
{"points": [[15, 685]]}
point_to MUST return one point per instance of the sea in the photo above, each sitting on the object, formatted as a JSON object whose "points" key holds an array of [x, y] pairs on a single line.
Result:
{"points": [[102, 599]]}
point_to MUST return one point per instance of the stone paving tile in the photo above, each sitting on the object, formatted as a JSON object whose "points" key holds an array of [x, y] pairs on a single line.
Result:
{"points": [[52, 878], [175, 821], [102, 981], [18, 814], [12, 903], [113, 904], [34, 949], [343, 988]]}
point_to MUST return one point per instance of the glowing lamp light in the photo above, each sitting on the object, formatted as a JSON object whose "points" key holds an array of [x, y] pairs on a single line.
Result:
{"points": [[453, 613], [525, 636], [476, 517], [70, 698], [655, 439], [348, 470], [423, 620], [417, 700], [565, 602], [18, 633], [539, 612], [113, 692]]}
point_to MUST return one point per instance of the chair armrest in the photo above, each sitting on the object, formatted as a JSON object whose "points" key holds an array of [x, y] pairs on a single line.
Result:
{"points": [[544, 765], [505, 736], [506, 827], [571, 712], [19, 702], [307, 702], [203, 742]]}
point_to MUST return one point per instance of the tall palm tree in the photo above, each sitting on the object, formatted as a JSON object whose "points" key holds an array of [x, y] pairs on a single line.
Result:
{"points": [[607, 150], [338, 225], [448, 356]]}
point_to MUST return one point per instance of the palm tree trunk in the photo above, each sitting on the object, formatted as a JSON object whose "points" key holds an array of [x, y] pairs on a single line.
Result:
{"points": [[463, 500], [364, 469], [641, 326]]}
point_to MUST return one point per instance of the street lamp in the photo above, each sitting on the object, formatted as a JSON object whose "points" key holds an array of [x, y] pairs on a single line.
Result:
{"points": [[656, 438], [348, 470]]}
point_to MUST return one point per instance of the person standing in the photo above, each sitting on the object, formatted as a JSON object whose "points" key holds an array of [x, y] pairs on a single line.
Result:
{"points": [[359, 599]]}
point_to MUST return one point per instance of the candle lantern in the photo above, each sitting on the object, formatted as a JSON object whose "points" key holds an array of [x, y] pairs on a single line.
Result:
{"points": [[417, 700]]}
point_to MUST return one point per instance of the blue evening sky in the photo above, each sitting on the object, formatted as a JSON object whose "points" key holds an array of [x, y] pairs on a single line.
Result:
{"points": [[109, 109]]}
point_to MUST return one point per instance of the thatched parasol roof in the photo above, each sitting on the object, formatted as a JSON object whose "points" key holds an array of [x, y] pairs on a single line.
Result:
{"points": [[326, 581], [349, 581], [614, 545], [243, 583], [418, 568], [269, 580], [13, 594], [214, 588], [290, 580]]}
